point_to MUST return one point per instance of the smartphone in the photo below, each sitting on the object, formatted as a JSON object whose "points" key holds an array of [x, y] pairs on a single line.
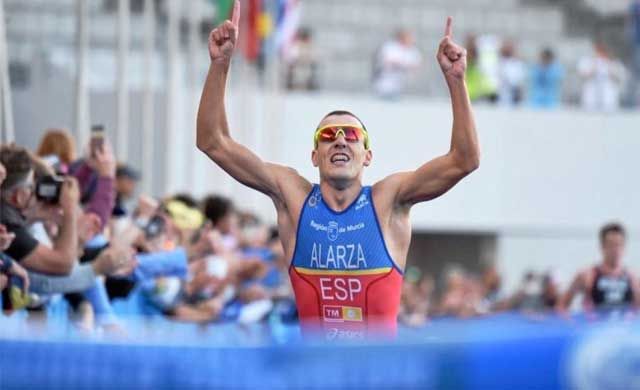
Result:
{"points": [[155, 227], [97, 139]]}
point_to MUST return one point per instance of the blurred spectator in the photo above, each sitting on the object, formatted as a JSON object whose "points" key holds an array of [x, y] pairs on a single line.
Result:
{"points": [[126, 181], [96, 174], [394, 61], [511, 76], [536, 294], [478, 82], [634, 19], [8, 267], [602, 78], [608, 285], [302, 62], [219, 210], [490, 283], [550, 290], [461, 296], [416, 297], [18, 198], [57, 148], [546, 81]]}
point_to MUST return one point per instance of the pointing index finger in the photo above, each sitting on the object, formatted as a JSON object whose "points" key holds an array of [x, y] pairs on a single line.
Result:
{"points": [[235, 16], [447, 29]]}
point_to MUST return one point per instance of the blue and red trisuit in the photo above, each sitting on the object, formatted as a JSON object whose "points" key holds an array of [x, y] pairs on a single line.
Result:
{"points": [[345, 282]]}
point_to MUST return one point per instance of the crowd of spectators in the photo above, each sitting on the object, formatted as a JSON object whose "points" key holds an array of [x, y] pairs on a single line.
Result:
{"points": [[75, 240], [496, 72]]}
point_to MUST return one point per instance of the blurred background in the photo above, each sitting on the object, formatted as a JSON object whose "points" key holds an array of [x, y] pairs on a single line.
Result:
{"points": [[555, 86]]}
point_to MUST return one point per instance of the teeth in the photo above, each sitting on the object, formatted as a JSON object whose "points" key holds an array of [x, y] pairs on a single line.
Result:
{"points": [[340, 157]]}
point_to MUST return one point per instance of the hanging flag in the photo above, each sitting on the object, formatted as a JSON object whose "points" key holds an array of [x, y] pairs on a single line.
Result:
{"points": [[267, 27], [249, 35], [288, 24], [223, 10]]}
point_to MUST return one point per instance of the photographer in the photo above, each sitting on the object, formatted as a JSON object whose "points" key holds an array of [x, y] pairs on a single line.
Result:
{"points": [[18, 196], [8, 267]]}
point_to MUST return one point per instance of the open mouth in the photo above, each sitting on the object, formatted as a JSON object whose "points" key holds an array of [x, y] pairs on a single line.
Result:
{"points": [[340, 158]]}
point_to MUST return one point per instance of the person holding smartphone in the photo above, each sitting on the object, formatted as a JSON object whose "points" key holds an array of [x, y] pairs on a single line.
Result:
{"points": [[96, 176]]}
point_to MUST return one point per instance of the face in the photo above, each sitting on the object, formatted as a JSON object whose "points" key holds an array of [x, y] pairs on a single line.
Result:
{"points": [[613, 248], [340, 160], [125, 186], [406, 38], [23, 197], [455, 281], [228, 224]]}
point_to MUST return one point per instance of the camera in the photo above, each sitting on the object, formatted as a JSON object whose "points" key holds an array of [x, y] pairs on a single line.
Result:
{"points": [[155, 227], [48, 189]]}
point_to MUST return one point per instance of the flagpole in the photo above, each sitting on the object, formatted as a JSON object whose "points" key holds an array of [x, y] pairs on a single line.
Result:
{"points": [[81, 92], [122, 74], [171, 155], [6, 109], [148, 103], [192, 105]]}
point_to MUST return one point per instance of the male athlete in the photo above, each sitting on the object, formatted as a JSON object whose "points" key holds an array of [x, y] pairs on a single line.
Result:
{"points": [[608, 286], [347, 243]]}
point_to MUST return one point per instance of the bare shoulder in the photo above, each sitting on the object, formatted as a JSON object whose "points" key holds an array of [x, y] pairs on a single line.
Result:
{"points": [[291, 184], [385, 191], [632, 275], [293, 190]]}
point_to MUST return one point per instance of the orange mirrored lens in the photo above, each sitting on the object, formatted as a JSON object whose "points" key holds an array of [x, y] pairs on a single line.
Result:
{"points": [[351, 134]]}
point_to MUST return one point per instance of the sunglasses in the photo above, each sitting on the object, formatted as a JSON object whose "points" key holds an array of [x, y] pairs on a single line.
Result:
{"points": [[350, 133]]}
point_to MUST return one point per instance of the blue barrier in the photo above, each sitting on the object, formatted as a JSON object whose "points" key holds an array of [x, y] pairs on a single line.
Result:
{"points": [[501, 352]]}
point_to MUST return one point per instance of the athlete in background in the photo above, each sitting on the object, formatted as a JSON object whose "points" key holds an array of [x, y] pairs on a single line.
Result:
{"points": [[609, 285], [348, 243]]}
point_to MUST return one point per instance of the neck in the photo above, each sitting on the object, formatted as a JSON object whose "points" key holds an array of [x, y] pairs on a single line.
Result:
{"points": [[611, 265], [339, 196]]}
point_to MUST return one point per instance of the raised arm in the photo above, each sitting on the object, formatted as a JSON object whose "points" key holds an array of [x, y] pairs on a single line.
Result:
{"points": [[437, 176], [213, 137], [59, 260]]}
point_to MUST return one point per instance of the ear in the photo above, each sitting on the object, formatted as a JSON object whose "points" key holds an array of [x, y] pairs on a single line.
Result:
{"points": [[314, 157], [368, 157], [14, 197], [19, 197]]}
